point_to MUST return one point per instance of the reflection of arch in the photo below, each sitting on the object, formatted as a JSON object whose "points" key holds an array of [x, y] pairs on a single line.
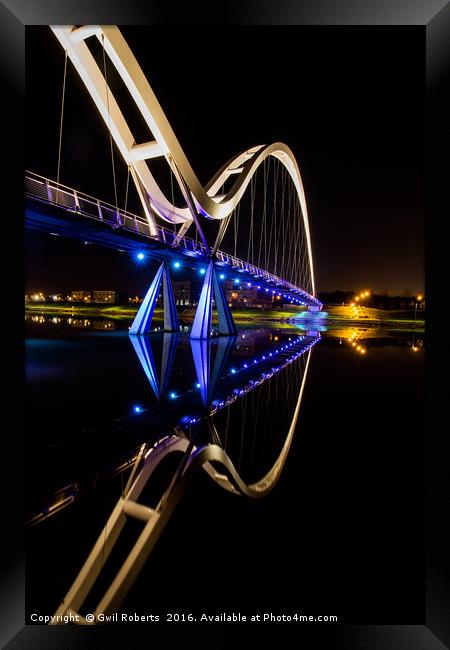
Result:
{"points": [[234, 483], [143, 348], [156, 518], [205, 201]]}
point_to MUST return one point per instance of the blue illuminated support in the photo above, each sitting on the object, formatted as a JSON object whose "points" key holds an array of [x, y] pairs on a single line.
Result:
{"points": [[224, 346], [202, 326], [144, 352], [171, 323], [201, 352], [226, 322], [170, 342], [314, 307], [143, 319], [143, 349]]}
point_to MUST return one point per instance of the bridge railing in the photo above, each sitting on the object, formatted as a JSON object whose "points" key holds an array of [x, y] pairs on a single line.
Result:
{"points": [[42, 188], [256, 272], [48, 191]]}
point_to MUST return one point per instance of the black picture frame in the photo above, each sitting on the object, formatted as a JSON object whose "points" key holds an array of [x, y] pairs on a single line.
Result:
{"points": [[14, 16]]}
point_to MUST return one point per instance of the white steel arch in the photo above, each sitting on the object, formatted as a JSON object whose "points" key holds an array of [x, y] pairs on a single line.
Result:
{"points": [[205, 201]]}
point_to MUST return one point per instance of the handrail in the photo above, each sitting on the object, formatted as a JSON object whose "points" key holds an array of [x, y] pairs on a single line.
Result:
{"points": [[52, 195]]}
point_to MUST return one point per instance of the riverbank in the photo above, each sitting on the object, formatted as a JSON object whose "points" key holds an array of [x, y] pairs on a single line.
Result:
{"points": [[333, 316]]}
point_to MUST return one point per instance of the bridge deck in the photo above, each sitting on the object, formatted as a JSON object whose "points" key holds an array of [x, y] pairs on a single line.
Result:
{"points": [[63, 211]]}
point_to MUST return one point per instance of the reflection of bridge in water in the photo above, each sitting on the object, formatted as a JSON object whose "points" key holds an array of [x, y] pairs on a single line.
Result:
{"points": [[224, 423]]}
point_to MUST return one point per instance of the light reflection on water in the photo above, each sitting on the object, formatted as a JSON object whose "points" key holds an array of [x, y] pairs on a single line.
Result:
{"points": [[127, 388], [71, 321], [360, 414], [141, 386]]}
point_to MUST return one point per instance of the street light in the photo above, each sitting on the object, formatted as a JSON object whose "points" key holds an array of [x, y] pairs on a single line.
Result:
{"points": [[417, 300]]}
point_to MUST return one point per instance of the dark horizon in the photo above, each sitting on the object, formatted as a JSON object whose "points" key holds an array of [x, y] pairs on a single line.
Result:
{"points": [[349, 102]]}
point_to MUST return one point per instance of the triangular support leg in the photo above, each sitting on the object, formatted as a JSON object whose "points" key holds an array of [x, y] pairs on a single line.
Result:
{"points": [[143, 319], [202, 326], [201, 351], [171, 323]]}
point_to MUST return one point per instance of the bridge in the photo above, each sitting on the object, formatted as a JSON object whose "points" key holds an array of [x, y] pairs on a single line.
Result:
{"points": [[277, 228], [60, 210], [250, 226]]}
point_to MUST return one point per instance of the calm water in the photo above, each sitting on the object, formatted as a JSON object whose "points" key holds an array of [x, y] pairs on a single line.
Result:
{"points": [[342, 524]]}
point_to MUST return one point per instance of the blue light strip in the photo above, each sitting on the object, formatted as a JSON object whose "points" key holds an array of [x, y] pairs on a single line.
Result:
{"points": [[167, 238], [238, 392]]}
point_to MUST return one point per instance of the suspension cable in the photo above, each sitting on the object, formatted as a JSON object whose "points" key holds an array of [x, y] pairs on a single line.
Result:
{"points": [[263, 229], [61, 123], [252, 209], [282, 223], [173, 199], [126, 190], [273, 222], [266, 182], [236, 211], [109, 122]]}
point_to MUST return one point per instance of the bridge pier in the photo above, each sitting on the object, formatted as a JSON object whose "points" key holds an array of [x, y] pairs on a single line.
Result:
{"points": [[202, 326], [208, 378], [314, 307], [143, 349], [143, 319]]}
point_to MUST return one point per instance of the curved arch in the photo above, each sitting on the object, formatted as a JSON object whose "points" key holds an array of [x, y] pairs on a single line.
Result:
{"points": [[267, 482], [277, 150], [166, 144], [156, 519]]}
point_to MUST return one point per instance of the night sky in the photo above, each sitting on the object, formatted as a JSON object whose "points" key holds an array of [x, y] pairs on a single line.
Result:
{"points": [[349, 101]]}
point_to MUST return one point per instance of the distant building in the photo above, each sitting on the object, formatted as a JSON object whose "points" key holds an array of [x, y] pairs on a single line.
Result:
{"points": [[242, 296], [35, 297], [81, 296], [182, 292], [104, 297], [109, 297]]}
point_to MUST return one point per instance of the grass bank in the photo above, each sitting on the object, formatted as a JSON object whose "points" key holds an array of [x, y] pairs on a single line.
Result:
{"points": [[332, 317]]}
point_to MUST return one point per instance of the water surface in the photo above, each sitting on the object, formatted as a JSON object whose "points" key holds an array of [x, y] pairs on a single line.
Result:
{"points": [[351, 483]]}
